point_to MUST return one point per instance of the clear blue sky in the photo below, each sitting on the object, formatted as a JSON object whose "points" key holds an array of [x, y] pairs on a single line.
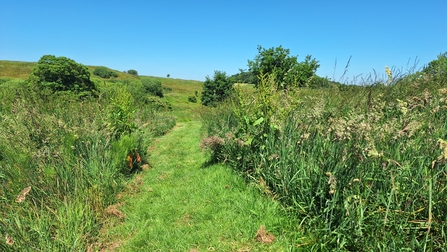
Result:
{"points": [[191, 39]]}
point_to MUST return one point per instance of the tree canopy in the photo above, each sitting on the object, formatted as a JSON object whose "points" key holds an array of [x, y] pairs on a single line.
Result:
{"points": [[61, 74], [287, 70]]}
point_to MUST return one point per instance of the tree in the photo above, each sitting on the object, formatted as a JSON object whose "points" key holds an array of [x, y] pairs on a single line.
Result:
{"points": [[243, 77], [216, 89], [287, 70], [61, 74], [437, 68], [132, 72]]}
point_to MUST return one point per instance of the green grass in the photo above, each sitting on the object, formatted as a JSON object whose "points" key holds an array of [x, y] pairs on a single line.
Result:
{"points": [[70, 155], [16, 69], [177, 92], [362, 167], [182, 205]]}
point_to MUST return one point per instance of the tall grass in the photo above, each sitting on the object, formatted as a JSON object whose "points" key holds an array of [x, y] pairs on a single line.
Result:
{"points": [[72, 155], [363, 167]]}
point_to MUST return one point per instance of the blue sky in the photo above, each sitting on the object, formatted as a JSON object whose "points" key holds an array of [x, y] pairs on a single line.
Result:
{"points": [[192, 39]]}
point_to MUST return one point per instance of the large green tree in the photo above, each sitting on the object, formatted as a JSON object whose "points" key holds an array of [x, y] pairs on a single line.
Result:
{"points": [[216, 89], [287, 70], [62, 74]]}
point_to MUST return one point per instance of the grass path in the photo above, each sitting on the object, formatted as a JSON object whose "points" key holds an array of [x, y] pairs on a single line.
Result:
{"points": [[179, 205]]}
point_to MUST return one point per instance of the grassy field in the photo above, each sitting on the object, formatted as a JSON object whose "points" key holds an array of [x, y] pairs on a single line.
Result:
{"points": [[16, 69]]}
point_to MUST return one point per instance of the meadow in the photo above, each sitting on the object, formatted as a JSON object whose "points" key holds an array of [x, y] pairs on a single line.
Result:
{"points": [[335, 168]]}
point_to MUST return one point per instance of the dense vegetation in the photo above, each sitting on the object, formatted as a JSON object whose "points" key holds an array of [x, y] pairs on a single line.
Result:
{"points": [[357, 168], [363, 168], [104, 72], [64, 159], [286, 70], [216, 89], [57, 74]]}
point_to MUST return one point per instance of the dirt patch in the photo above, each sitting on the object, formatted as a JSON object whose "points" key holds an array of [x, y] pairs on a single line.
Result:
{"points": [[113, 210], [145, 167], [263, 236]]}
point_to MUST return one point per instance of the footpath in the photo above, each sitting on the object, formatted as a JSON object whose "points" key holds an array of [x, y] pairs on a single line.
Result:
{"points": [[178, 204]]}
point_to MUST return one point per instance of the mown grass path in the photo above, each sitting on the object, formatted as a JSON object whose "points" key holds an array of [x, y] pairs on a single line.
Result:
{"points": [[180, 205]]}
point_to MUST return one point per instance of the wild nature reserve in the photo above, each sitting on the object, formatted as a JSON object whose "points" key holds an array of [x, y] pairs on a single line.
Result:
{"points": [[274, 158]]}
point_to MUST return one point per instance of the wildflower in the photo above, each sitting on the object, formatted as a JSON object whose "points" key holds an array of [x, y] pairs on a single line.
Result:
{"points": [[390, 75]]}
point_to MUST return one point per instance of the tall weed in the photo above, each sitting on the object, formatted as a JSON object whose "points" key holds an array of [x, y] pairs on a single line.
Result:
{"points": [[63, 160], [362, 167]]}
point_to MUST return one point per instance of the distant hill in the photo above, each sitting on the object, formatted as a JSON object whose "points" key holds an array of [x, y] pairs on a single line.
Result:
{"points": [[21, 70], [16, 69]]}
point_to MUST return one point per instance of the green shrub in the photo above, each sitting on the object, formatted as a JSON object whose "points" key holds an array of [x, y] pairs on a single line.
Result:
{"points": [[152, 87], [217, 89], [104, 72], [121, 112], [437, 68], [132, 72], [56, 74]]}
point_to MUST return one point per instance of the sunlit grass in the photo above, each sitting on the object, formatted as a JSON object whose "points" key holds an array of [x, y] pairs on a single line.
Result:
{"points": [[182, 205]]}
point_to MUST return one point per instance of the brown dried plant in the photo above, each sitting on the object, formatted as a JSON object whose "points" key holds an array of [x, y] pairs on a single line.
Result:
{"points": [[22, 196], [263, 236]]}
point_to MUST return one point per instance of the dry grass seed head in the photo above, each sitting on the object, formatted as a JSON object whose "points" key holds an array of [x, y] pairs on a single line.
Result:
{"points": [[9, 240], [211, 143], [22, 196], [332, 182]]}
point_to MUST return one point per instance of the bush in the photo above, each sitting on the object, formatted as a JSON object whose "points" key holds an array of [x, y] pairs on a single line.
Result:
{"points": [[217, 89], [437, 68], [152, 87], [61, 74], [104, 72], [132, 72]]}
